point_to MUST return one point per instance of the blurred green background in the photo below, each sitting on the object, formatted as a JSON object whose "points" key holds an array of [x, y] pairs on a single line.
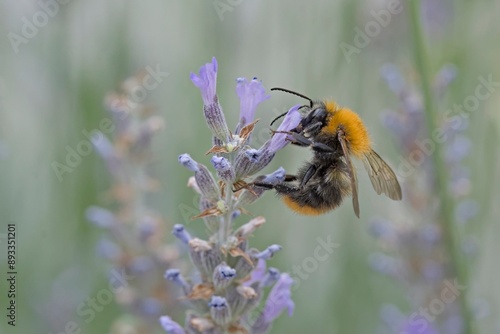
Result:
{"points": [[53, 88]]}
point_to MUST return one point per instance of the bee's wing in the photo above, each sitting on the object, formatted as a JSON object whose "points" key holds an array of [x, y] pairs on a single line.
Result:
{"points": [[383, 178], [352, 174]]}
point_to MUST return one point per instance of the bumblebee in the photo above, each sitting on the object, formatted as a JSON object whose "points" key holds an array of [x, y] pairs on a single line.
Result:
{"points": [[335, 134]]}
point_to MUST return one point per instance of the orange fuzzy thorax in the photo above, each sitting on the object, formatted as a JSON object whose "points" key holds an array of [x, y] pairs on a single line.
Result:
{"points": [[356, 133]]}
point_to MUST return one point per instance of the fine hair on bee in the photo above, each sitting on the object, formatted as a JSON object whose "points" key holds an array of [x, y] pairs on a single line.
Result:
{"points": [[335, 134]]}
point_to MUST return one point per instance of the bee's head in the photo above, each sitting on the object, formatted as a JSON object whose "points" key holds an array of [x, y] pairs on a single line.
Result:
{"points": [[313, 113], [314, 119]]}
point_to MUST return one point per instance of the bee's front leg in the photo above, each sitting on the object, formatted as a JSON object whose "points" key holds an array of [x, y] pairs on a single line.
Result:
{"points": [[281, 188]]}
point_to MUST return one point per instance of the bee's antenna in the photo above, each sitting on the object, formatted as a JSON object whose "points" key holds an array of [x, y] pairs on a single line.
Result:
{"points": [[283, 114], [294, 93], [277, 118]]}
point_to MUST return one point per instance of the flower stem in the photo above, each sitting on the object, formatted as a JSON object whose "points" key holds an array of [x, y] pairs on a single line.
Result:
{"points": [[225, 223], [441, 177]]}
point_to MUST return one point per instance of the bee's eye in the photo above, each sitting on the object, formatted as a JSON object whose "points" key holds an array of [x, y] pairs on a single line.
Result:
{"points": [[318, 113]]}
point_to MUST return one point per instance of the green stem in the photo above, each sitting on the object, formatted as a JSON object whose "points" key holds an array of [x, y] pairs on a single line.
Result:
{"points": [[441, 176]]}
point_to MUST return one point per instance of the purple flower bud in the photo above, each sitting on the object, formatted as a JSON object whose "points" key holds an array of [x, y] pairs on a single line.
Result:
{"points": [[279, 140], [207, 83], [170, 326], [279, 299], [223, 275], [275, 177], [188, 162], [219, 310], [151, 307], [458, 149], [174, 275], [180, 233], [392, 76], [384, 264], [100, 217], [223, 168], [411, 327], [251, 94], [204, 179], [250, 161], [271, 277], [268, 252], [108, 249], [444, 78], [141, 264]]}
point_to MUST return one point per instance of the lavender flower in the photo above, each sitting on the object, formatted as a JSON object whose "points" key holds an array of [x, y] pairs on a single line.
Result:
{"points": [[251, 161], [206, 81], [418, 246], [134, 232], [251, 94], [279, 140], [231, 277]]}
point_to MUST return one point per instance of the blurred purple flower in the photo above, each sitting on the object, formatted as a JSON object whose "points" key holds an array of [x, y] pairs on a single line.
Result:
{"points": [[171, 326], [411, 327]]}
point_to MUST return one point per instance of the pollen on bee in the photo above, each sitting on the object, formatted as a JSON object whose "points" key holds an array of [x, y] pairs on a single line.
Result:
{"points": [[356, 133]]}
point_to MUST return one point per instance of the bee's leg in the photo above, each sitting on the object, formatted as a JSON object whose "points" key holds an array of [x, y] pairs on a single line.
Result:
{"points": [[288, 178], [301, 140], [308, 175], [322, 148], [313, 127], [282, 188]]}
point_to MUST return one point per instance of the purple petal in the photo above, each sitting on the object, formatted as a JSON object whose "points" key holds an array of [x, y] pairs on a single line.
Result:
{"points": [[171, 326], [416, 327], [258, 273], [279, 299], [292, 119], [251, 94], [206, 81], [275, 177]]}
